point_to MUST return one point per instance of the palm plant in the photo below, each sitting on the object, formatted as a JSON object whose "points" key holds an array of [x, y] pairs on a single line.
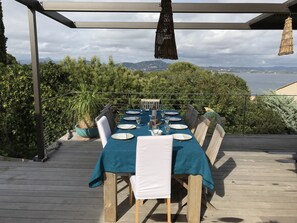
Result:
{"points": [[85, 106]]}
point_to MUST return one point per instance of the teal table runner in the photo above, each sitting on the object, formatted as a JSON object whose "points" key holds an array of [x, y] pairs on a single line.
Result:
{"points": [[119, 156]]}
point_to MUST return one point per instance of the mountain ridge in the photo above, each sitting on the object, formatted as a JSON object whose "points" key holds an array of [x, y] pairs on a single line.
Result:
{"points": [[159, 65], [146, 66]]}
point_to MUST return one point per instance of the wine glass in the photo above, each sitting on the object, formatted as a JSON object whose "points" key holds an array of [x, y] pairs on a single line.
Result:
{"points": [[141, 110], [138, 120], [162, 114], [166, 121], [167, 129]]}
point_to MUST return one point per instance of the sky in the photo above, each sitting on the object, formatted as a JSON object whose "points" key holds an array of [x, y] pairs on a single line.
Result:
{"points": [[248, 48]]}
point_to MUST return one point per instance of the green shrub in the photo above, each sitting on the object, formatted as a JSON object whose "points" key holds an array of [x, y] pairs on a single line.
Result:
{"points": [[261, 119], [182, 84], [17, 126], [285, 106]]}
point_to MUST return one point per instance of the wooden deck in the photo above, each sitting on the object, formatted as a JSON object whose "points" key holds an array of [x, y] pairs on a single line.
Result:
{"points": [[255, 180]]}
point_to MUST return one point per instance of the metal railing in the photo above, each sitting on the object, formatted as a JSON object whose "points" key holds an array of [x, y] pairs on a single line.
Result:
{"points": [[237, 111]]}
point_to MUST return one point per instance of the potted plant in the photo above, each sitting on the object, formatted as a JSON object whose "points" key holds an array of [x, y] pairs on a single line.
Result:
{"points": [[84, 107]]}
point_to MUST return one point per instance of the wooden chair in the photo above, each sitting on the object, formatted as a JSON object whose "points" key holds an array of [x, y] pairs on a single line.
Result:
{"points": [[188, 114], [105, 133], [152, 181], [108, 112], [201, 129], [211, 153], [193, 121], [150, 103], [215, 144], [103, 129]]}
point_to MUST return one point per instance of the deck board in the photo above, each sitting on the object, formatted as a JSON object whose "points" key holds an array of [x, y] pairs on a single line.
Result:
{"points": [[255, 179]]}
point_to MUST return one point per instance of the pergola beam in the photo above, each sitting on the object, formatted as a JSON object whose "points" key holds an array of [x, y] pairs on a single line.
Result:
{"points": [[153, 25], [155, 7], [35, 5], [272, 15], [60, 18], [36, 84]]}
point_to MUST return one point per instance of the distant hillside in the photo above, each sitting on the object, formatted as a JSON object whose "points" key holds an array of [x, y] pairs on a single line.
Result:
{"points": [[271, 70], [147, 66], [159, 65], [41, 60]]}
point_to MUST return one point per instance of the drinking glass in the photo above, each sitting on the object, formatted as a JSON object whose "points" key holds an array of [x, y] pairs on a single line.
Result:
{"points": [[167, 129], [166, 121], [162, 114], [155, 129], [138, 120], [149, 126]]}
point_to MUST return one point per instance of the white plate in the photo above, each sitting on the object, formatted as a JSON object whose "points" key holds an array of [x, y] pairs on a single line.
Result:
{"points": [[174, 119], [126, 126], [171, 113], [122, 136], [179, 136], [132, 112], [131, 118], [178, 126]]}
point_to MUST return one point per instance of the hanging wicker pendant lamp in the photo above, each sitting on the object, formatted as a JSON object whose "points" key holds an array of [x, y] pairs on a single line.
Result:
{"points": [[286, 46], [165, 46]]}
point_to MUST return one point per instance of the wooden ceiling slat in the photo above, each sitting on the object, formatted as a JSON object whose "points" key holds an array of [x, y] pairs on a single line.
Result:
{"points": [[153, 25], [176, 7]]}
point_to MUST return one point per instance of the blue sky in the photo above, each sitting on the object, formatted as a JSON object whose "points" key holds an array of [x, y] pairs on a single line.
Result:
{"points": [[201, 47]]}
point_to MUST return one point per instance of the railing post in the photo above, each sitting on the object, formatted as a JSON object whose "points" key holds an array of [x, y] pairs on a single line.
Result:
{"points": [[36, 84], [129, 99], [244, 115]]}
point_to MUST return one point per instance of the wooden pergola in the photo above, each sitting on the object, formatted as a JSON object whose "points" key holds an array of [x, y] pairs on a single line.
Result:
{"points": [[272, 17]]}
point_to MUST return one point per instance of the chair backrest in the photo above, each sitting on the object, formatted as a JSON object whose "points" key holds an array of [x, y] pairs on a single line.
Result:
{"points": [[104, 130], [150, 103], [215, 143], [107, 111], [188, 114], [201, 130], [108, 106], [193, 121], [153, 167]]}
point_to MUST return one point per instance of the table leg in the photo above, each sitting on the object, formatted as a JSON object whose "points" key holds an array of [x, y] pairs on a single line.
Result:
{"points": [[194, 198], [110, 197]]}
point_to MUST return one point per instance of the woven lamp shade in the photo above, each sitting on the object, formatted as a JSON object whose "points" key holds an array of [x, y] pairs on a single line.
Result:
{"points": [[286, 46], [165, 46]]}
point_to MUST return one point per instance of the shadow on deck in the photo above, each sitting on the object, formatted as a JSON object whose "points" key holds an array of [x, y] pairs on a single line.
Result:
{"points": [[255, 180]]}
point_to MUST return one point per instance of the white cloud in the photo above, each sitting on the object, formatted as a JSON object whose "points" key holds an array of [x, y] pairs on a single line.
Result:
{"points": [[202, 47]]}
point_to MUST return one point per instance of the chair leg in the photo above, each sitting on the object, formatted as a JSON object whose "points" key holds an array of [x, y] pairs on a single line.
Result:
{"points": [[168, 211], [136, 210], [130, 195]]}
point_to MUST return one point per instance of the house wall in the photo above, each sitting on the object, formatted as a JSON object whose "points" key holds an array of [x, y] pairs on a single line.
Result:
{"points": [[288, 90]]}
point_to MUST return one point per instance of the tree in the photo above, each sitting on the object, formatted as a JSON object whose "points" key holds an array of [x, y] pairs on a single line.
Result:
{"points": [[3, 39], [10, 59]]}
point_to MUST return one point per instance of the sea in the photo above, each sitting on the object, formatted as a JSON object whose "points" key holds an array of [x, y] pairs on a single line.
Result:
{"points": [[259, 83]]}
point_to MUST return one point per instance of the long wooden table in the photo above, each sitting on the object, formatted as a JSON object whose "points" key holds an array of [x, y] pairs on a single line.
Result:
{"points": [[119, 156]]}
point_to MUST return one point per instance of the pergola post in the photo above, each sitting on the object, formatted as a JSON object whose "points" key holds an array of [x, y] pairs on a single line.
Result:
{"points": [[36, 84]]}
